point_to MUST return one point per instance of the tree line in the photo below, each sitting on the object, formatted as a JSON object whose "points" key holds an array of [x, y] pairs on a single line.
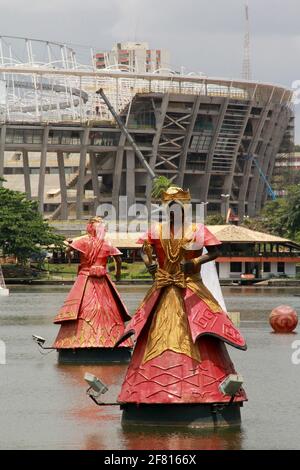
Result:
{"points": [[23, 231]]}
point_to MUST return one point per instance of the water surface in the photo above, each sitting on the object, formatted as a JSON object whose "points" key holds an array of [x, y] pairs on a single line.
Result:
{"points": [[44, 405]]}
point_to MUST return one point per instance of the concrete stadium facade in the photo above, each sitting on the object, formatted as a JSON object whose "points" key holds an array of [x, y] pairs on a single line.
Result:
{"points": [[217, 137]]}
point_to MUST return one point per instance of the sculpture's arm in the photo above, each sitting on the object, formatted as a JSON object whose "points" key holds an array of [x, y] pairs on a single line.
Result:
{"points": [[212, 253], [67, 244], [147, 257], [118, 266], [193, 266], [68, 249]]}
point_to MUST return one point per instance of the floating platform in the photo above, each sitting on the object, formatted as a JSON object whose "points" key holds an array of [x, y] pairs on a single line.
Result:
{"points": [[182, 415], [94, 355]]}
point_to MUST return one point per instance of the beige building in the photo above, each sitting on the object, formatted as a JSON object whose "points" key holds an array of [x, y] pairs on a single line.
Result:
{"points": [[14, 176], [135, 57]]}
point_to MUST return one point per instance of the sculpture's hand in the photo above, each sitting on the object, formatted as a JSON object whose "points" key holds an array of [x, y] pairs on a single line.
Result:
{"points": [[187, 267], [152, 268]]}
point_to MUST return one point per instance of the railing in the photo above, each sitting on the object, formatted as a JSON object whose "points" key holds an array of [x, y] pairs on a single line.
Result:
{"points": [[250, 254], [56, 94]]}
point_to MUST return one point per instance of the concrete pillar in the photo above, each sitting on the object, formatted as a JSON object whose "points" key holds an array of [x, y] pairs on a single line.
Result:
{"points": [[228, 180], [205, 187], [130, 177], [262, 160], [190, 129], [248, 166], [117, 174], [225, 206], [2, 151], [95, 181], [81, 175], [43, 161], [26, 170], [160, 119], [63, 186], [262, 195]]}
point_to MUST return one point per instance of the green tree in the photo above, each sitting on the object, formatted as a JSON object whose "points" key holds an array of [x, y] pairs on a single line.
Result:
{"points": [[23, 232], [282, 216], [215, 219], [275, 218], [254, 224], [159, 185], [293, 213]]}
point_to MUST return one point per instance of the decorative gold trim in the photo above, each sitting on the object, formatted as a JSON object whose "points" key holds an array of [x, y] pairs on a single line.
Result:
{"points": [[174, 193]]}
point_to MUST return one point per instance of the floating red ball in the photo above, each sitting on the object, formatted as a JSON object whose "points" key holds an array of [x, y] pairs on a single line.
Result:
{"points": [[283, 319]]}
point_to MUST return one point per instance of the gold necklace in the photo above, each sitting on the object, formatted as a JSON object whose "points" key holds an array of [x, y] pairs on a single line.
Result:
{"points": [[172, 247]]}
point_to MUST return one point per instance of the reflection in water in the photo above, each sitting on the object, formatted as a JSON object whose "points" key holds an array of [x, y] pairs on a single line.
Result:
{"points": [[182, 439], [93, 442], [111, 375], [46, 407], [134, 438]]}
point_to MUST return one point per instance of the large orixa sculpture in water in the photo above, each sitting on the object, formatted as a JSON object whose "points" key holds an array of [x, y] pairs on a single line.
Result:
{"points": [[93, 315], [180, 358]]}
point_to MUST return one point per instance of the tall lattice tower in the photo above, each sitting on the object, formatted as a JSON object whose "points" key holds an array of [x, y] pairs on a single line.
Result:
{"points": [[247, 61]]}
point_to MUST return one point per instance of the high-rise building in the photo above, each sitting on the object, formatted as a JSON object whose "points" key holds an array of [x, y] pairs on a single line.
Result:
{"points": [[134, 56]]}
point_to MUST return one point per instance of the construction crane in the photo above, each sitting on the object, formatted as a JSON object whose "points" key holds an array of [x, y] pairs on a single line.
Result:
{"points": [[271, 192], [264, 177], [246, 60], [126, 133]]}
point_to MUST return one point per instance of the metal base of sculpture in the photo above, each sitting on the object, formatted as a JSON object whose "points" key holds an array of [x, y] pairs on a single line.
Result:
{"points": [[185, 415], [94, 355]]}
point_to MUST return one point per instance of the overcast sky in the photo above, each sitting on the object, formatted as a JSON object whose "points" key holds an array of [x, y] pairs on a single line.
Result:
{"points": [[202, 35]]}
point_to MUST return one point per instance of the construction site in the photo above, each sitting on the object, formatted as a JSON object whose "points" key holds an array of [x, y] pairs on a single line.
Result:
{"points": [[61, 145]]}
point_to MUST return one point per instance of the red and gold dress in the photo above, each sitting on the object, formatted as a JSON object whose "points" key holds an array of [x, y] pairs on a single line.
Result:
{"points": [[180, 330], [93, 314]]}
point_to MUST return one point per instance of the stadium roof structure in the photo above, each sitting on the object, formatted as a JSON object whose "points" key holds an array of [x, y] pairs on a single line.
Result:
{"points": [[54, 86]]}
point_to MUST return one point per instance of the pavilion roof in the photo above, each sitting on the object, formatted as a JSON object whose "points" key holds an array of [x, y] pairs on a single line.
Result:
{"points": [[225, 233]]}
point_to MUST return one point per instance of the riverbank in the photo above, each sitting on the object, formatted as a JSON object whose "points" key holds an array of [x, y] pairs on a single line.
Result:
{"points": [[68, 282], [132, 274]]}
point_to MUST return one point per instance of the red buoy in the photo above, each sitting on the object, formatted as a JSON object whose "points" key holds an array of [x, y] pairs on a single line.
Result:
{"points": [[283, 319]]}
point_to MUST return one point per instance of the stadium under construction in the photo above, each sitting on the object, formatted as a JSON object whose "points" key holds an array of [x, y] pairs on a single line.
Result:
{"points": [[61, 146]]}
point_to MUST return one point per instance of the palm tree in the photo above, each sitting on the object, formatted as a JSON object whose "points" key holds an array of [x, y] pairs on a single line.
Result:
{"points": [[160, 184]]}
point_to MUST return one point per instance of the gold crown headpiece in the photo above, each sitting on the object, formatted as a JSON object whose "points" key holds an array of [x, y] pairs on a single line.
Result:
{"points": [[174, 193]]}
